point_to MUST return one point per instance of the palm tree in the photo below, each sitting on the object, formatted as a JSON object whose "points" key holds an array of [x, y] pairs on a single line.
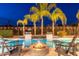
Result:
{"points": [[77, 16], [19, 22], [23, 22], [33, 18], [57, 14], [40, 11]]}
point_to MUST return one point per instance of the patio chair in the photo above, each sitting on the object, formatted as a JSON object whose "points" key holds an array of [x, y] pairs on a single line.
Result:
{"points": [[64, 52], [3, 47], [77, 46], [16, 49]]}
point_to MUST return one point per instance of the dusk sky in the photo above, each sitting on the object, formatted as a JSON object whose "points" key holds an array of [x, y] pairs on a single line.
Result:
{"points": [[10, 13]]}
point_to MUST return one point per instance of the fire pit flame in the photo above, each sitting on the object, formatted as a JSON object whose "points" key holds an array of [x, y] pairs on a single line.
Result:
{"points": [[39, 49], [39, 45]]}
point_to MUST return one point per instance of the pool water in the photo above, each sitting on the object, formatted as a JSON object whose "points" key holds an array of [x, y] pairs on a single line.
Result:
{"points": [[36, 40]]}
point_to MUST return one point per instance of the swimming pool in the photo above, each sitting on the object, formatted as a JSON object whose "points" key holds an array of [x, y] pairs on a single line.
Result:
{"points": [[50, 44]]}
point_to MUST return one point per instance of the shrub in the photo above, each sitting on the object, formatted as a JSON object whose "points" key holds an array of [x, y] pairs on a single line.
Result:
{"points": [[62, 33], [6, 33]]}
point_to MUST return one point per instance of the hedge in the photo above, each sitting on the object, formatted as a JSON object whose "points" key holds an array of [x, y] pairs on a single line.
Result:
{"points": [[6, 33]]}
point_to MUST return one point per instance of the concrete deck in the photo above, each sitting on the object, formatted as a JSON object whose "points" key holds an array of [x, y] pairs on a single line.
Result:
{"points": [[26, 52], [52, 52]]}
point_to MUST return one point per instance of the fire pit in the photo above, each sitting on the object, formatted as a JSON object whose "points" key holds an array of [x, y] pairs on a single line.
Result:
{"points": [[39, 49]]}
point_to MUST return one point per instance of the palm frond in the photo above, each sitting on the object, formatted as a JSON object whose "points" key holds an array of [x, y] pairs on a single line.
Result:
{"points": [[63, 18], [19, 22], [58, 13], [45, 13], [50, 6], [58, 10], [77, 15], [27, 16], [34, 9], [34, 17], [25, 21], [54, 17], [43, 6]]}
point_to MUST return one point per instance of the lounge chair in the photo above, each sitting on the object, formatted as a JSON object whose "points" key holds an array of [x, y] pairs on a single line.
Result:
{"points": [[4, 47], [64, 52]]}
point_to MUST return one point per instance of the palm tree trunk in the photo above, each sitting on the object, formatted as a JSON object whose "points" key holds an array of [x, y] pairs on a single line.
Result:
{"points": [[23, 30], [78, 28], [34, 28], [18, 29], [7, 48], [64, 26], [53, 28], [41, 25]]}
